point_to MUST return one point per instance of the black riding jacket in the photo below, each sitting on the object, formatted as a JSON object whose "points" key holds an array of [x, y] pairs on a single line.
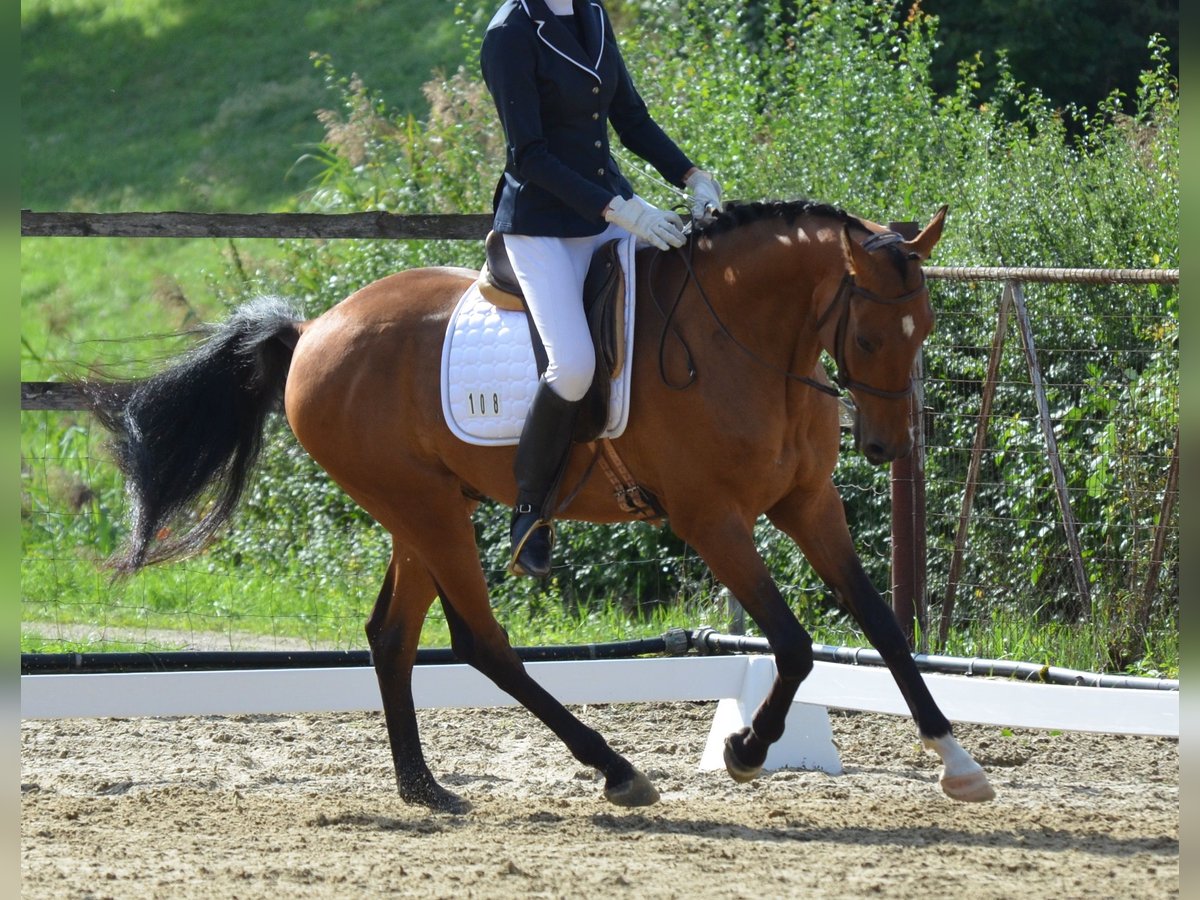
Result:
{"points": [[556, 100]]}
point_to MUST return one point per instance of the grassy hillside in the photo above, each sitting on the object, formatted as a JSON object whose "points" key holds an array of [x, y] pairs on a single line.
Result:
{"points": [[143, 104], [154, 105], [180, 104]]}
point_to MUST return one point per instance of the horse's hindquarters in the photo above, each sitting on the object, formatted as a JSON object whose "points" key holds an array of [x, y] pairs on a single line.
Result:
{"points": [[363, 391]]}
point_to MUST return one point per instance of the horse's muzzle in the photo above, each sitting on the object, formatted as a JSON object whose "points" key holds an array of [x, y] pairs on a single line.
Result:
{"points": [[878, 450]]}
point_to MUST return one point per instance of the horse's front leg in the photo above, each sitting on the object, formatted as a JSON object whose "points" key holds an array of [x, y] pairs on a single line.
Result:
{"points": [[816, 521], [728, 548]]}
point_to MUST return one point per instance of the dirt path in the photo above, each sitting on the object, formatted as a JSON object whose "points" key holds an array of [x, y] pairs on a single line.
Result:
{"points": [[302, 806]]}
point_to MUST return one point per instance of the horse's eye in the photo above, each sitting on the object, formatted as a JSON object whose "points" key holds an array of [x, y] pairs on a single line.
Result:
{"points": [[865, 344]]}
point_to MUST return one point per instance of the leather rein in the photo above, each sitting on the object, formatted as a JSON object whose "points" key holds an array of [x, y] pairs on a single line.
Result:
{"points": [[847, 291]]}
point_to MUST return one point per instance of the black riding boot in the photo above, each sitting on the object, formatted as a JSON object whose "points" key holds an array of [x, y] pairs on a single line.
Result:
{"points": [[541, 458]]}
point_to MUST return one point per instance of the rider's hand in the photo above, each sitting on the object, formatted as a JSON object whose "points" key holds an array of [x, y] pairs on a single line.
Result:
{"points": [[706, 194], [659, 227]]}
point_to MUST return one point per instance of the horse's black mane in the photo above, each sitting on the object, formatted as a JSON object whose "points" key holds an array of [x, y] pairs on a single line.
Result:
{"points": [[737, 213]]}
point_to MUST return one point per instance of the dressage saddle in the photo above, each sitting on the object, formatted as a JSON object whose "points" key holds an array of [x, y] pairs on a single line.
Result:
{"points": [[604, 304]]}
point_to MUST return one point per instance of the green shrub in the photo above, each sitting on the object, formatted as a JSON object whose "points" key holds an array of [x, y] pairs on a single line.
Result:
{"points": [[830, 100]]}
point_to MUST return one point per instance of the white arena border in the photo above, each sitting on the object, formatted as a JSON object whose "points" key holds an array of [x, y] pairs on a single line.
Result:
{"points": [[738, 682]]}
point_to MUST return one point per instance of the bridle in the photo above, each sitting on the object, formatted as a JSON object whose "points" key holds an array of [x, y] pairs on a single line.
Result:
{"points": [[847, 291]]}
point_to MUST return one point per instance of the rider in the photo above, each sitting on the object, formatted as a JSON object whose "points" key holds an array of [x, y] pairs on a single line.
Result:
{"points": [[558, 80]]}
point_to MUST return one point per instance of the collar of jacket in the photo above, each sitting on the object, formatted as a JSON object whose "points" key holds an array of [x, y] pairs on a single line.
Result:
{"points": [[554, 35]]}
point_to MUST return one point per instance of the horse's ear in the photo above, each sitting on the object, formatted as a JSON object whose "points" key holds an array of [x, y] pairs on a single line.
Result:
{"points": [[922, 245], [849, 250]]}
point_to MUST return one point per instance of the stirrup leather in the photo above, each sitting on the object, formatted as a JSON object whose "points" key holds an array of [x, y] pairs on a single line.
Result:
{"points": [[513, 568]]}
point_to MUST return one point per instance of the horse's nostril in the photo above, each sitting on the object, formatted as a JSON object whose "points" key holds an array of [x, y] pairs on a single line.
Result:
{"points": [[876, 453]]}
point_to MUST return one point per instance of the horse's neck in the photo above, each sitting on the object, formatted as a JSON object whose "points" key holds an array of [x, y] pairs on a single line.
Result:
{"points": [[766, 276]]}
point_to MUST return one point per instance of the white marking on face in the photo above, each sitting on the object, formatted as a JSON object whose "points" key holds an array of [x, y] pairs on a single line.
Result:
{"points": [[907, 324], [730, 275]]}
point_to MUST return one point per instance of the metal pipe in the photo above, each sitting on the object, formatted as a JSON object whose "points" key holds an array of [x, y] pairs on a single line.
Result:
{"points": [[708, 641], [675, 642], [197, 660]]}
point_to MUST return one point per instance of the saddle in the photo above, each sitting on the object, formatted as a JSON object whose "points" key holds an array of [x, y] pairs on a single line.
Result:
{"points": [[604, 305]]}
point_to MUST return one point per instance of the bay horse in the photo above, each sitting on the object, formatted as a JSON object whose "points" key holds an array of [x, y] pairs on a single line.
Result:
{"points": [[730, 418]]}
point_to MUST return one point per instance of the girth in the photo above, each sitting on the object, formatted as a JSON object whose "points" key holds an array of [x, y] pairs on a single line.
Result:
{"points": [[603, 303]]}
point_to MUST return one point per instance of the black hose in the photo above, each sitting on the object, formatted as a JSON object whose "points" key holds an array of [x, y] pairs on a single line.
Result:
{"points": [[675, 642], [209, 660], [708, 641]]}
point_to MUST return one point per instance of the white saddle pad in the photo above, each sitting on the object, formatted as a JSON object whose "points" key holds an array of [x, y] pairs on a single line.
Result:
{"points": [[489, 373]]}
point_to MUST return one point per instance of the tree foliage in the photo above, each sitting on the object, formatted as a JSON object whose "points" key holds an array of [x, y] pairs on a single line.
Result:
{"points": [[1076, 52], [837, 101]]}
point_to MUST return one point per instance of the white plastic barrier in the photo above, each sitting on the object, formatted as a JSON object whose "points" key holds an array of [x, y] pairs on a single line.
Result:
{"points": [[738, 682]]}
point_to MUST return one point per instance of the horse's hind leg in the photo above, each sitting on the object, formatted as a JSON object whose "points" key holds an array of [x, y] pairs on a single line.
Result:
{"points": [[481, 642], [393, 632], [816, 521], [447, 548]]}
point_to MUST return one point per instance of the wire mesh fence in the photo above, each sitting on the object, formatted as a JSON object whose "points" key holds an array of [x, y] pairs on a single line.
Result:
{"points": [[1106, 364], [1074, 470]]}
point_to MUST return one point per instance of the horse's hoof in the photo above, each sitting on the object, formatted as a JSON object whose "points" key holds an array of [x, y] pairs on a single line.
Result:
{"points": [[436, 798], [971, 787], [636, 791], [963, 779], [738, 771]]}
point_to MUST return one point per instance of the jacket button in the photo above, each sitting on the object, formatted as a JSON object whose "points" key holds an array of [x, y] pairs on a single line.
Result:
{"points": [[600, 171], [595, 90], [598, 145], [595, 116]]}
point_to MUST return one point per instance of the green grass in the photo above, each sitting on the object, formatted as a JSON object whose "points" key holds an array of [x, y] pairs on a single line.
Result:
{"points": [[72, 506], [165, 104], [1068, 645], [154, 104], [88, 301]]}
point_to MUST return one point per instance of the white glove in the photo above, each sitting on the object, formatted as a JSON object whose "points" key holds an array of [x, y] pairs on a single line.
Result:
{"points": [[706, 195], [659, 227]]}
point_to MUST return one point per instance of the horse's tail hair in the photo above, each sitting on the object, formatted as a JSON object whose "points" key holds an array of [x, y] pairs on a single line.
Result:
{"points": [[186, 439]]}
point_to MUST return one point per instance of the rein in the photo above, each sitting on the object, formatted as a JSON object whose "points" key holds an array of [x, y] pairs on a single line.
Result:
{"points": [[848, 289]]}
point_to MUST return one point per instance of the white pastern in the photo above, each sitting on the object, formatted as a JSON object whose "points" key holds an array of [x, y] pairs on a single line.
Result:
{"points": [[962, 778]]}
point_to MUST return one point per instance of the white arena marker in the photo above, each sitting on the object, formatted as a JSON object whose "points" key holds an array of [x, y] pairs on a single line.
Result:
{"points": [[807, 741]]}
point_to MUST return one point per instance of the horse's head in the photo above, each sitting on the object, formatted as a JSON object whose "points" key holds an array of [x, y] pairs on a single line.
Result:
{"points": [[873, 327]]}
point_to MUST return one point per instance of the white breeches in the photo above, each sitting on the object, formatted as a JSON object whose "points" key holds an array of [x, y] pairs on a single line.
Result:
{"points": [[551, 271]]}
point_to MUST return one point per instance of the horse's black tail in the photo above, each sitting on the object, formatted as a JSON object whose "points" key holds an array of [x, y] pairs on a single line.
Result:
{"points": [[187, 438]]}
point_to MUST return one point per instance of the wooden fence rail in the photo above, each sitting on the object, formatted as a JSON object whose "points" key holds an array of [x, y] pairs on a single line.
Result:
{"points": [[908, 591], [41, 395], [382, 225]]}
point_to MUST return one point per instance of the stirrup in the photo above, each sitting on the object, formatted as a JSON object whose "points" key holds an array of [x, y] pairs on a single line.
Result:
{"points": [[514, 568]]}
